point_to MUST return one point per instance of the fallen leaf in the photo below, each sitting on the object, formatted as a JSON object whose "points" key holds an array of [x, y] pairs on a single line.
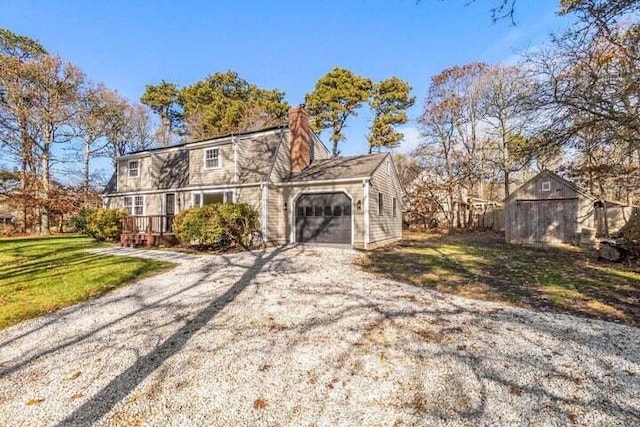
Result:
{"points": [[32, 402], [74, 376], [260, 404]]}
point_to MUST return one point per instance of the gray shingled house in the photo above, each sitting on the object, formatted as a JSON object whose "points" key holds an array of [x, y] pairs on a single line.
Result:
{"points": [[300, 192]]}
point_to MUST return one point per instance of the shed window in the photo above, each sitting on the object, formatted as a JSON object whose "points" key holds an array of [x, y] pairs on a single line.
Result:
{"points": [[395, 207], [212, 158], [134, 168], [546, 185], [380, 204]]}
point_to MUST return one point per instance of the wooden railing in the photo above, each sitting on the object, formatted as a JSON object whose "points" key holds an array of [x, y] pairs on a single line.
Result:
{"points": [[150, 224]]}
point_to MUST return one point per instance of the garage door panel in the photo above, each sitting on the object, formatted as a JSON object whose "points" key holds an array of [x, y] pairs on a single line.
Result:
{"points": [[323, 218]]}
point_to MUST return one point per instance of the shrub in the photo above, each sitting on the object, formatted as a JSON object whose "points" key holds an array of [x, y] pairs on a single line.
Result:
{"points": [[78, 222], [218, 225], [105, 224]]}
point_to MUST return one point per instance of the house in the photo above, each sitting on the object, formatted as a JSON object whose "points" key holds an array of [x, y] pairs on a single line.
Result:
{"points": [[549, 209], [286, 173]]}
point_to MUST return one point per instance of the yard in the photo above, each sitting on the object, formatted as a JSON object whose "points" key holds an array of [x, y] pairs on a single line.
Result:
{"points": [[42, 275], [298, 335], [482, 266]]}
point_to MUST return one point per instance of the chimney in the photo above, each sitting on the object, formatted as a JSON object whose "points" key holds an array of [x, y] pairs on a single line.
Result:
{"points": [[300, 138]]}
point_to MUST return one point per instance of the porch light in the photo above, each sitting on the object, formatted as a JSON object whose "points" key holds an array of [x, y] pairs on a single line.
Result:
{"points": [[359, 205], [285, 206]]}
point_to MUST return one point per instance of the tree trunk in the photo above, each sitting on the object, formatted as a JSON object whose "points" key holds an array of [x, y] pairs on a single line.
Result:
{"points": [[45, 165], [87, 158], [507, 182]]}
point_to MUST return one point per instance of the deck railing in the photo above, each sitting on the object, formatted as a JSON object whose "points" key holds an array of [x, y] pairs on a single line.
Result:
{"points": [[150, 224]]}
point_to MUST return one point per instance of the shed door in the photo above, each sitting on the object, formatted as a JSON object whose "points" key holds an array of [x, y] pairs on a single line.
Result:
{"points": [[547, 221], [323, 218]]}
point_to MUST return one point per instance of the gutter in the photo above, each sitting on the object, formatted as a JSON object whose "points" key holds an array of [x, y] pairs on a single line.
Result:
{"points": [[322, 181]]}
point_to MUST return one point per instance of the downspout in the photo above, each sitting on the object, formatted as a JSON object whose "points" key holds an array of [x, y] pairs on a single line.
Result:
{"points": [[365, 202]]}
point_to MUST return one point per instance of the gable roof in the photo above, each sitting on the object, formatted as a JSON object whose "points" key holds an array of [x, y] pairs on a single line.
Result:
{"points": [[339, 168], [552, 175]]}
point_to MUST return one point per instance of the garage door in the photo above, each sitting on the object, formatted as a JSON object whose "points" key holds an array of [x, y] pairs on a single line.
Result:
{"points": [[323, 218], [547, 221]]}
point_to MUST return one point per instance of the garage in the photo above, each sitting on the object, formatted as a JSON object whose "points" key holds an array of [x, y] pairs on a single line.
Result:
{"points": [[323, 218]]}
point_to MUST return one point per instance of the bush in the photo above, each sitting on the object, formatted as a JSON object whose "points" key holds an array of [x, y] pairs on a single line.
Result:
{"points": [[104, 224], [220, 225], [78, 222]]}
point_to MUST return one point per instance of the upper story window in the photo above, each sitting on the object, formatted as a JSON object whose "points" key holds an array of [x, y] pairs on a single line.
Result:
{"points": [[546, 185], [212, 158], [380, 204], [134, 168]]}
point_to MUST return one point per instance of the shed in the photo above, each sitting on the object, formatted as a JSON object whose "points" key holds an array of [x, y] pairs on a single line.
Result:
{"points": [[549, 209]]}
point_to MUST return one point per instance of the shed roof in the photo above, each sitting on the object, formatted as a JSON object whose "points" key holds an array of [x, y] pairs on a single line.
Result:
{"points": [[339, 168]]}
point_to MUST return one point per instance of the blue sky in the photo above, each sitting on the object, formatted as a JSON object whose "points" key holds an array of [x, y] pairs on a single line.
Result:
{"points": [[278, 44]]}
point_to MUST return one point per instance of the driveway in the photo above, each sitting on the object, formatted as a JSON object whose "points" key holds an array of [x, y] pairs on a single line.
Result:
{"points": [[301, 336]]}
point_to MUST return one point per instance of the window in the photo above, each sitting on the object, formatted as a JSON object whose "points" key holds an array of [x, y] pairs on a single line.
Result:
{"points": [[138, 205], [347, 210], [212, 158], [395, 207], [337, 210], [327, 211], [546, 185], [134, 168], [197, 201], [212, 198], [318, 211], [127, 204], [308, 211], [300, 210], [380, 204]]}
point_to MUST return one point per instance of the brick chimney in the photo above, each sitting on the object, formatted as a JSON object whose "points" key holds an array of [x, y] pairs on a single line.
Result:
{"points": [[300, 138]]}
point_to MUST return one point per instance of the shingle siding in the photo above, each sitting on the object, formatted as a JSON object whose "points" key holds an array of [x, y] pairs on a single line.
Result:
{"points": [[385, 228]]}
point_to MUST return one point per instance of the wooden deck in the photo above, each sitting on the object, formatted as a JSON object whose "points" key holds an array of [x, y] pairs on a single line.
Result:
{"points": [[151, 230]]}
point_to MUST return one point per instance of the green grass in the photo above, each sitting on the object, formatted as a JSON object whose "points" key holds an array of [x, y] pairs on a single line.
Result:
{"points": [[42, 275], [482, 266]]}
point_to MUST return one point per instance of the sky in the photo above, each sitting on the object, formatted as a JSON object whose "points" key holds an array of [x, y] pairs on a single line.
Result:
{"points": [[287, 45]]}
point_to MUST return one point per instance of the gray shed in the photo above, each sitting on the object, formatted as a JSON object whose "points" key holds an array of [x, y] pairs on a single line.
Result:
{"points": [[549, 209]]}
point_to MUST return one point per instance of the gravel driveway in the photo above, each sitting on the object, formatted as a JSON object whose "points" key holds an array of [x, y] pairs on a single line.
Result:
{"points": [[300, 336]]}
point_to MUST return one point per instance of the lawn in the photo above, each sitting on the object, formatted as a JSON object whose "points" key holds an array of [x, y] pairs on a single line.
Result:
{"points": [[42, 275], [482, 266]]}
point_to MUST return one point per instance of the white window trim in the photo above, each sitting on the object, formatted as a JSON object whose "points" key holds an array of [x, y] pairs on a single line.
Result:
{"points": [[129, 169], [144, 203], [546, 185], [204, 157], [222, 191]]}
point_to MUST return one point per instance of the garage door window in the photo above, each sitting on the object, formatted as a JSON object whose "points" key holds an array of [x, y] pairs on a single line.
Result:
{"points": [[318, 211], [327, 211], [347, 210], [337, 211], [308, 211]]}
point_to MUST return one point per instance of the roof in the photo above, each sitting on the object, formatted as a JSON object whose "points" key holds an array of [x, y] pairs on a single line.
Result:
{"points": [[339, 168], [214, 138], [567, 183]]}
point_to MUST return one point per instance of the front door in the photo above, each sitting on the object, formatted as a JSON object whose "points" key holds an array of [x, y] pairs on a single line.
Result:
{"points": [[169, 211]]}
